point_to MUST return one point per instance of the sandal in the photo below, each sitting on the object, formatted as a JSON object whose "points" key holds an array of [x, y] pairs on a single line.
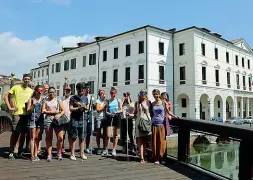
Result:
{"points": [[142, 161]]}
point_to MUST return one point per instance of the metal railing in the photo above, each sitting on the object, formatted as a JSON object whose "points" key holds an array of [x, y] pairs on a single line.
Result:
{"points": [[5, 122], [242, 135]]}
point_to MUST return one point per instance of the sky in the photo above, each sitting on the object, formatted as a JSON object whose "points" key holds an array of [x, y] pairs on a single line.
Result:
{"points": [[31, 30]]}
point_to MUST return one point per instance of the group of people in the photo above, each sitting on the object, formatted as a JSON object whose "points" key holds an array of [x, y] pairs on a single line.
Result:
{"points": [[39, 110]]}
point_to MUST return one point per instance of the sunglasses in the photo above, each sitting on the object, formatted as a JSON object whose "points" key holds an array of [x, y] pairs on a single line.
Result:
{"points": [[142, 93], [40, 90], [113, 93]]}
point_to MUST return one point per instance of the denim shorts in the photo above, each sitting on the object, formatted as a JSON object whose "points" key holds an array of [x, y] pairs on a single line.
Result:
{"points": [[78, 128]]}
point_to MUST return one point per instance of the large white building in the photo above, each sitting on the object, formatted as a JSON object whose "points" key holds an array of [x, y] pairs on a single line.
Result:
{"points": [[204, 74], [40, 74]]}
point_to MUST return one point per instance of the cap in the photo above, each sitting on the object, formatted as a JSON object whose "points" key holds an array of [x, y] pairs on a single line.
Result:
{"points": [[67, 88]]}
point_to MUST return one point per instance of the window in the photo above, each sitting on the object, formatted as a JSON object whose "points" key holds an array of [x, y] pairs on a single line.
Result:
{"points": [[182, 75], [236, 60], [184, 115], [183, 102], [128, 50], [91, 84], [115, 77], [217, 77], [181, 49], [104, 79], [38, 73], [242, 62], [161, 74], [58, 90], [161, 48], [244, 82], [228, 79], [237, 81], [42, 72], [58, 67], [248, 64], [203, 75], [141, 74], [227, 57], [216, 53], [250, 82], [141, 47], [127, 76], [47, 71], [104, 55], [116, 53], [218, 104], [203, 49], [34, 74], [66, 65], [73, 88], [73, 63], [92, 59], [84, 61]]}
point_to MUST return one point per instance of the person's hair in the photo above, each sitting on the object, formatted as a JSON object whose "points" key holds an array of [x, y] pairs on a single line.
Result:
{"points": [[165, 93], [157, 91], [80, 86], [51, 88], [146, 96], [26, 75], [99, 91], [36, 89], [113, 89], [45, 84]]}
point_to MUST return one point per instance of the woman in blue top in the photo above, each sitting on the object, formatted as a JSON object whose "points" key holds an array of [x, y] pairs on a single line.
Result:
{"points": [[160, 110], [113, 111], [35, 120]]}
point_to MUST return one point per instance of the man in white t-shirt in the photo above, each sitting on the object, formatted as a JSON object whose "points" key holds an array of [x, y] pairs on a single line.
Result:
{"points": [[65, 100]]}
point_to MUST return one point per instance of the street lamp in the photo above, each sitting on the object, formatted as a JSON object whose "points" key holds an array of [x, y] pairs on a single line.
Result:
{"points": [[12, 80]]}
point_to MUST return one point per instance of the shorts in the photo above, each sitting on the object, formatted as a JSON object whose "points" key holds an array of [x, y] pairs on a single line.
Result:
{"points": [[100, 123], [116, 121], [89, 128], [20, 124], [78, 128], [51, 124], [36, 124], [66, 127]]}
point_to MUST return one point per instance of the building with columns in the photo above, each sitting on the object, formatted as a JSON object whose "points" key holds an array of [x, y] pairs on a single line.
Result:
{"points": [[205, 75]]}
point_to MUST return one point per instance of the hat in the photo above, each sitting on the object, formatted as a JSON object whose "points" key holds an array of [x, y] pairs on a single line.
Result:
{"points": [[67, 88]]}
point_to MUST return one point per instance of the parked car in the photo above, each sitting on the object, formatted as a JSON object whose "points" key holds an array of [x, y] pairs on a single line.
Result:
{"points": [[235, 120], [217, 119], [248, 120]]}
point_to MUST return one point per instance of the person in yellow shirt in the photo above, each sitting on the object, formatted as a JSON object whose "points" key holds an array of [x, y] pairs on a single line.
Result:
{"points": [[21, 95]]}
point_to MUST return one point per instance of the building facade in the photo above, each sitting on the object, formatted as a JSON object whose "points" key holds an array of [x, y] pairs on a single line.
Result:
{"points": [[213, 75], [205, 75], [40, 74]]}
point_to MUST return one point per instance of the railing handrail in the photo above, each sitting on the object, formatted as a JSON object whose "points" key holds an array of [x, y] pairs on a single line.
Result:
{"points": [[229, 130]]}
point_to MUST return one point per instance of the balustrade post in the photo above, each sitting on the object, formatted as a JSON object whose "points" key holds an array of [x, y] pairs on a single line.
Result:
{"points": [[183, 144], [245, 160]]}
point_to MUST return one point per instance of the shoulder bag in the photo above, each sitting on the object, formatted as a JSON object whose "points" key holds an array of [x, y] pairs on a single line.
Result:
{"points": [[145, 125], [63, 119]]}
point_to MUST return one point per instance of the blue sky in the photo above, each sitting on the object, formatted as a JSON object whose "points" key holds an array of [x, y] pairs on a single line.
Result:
{"points": [[41, 24]]}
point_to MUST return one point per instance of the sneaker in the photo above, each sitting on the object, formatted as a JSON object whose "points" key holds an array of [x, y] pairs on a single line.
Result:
{"points": [[83, 157], [63, 151], [113, 152], [157, 162], [99, 152], [11, 156], [20, 153], [49, 158], [105, 152], [72, 157], [124, 150], [59, 157], [35, 159], [87, 151]]}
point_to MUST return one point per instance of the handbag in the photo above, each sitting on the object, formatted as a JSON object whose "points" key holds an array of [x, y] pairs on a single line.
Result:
{"points": [[63, 119], [145, 125]]}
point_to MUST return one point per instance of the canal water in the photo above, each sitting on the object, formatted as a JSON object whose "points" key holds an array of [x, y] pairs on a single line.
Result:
{"points": [[219, 158]]}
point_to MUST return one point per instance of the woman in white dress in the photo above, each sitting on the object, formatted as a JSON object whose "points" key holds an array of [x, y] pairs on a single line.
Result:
{"points": [[142, 110]]}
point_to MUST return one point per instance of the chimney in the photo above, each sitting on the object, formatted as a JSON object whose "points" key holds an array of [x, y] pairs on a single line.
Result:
{"points": [[80, 44], [99, 38]]}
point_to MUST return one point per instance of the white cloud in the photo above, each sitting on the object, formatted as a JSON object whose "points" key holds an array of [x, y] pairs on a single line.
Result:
{"points": [[19, 56]]}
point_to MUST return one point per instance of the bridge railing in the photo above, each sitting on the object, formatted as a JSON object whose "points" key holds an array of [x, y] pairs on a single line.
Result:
{"points": [[5, 122], [212, 140]]}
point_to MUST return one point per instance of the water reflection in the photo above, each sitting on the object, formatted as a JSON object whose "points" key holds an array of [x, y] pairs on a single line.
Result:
{"points": [[221, 158]]}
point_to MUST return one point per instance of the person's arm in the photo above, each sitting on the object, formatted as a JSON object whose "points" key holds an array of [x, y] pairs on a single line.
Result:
{"points": [[6, 99], [61, 108], [120, 106], [30, 105], [169, 112], [107, 111], [98, 108], [71, 105], [45, 111]]}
